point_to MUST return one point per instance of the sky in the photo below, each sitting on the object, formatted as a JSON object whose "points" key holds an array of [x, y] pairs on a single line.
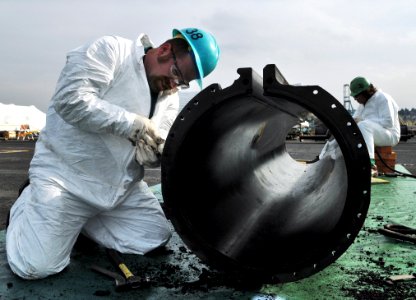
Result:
{"points": [[325, 43]]}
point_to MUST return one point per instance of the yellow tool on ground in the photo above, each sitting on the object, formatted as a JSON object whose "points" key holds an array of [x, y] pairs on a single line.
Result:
{"points": [[128, 280]]}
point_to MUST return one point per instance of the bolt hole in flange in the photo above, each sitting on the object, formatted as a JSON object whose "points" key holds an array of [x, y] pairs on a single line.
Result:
{"points": [[239, 196]]}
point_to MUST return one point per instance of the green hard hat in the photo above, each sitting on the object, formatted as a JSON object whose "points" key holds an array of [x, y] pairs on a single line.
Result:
{"points": [[204, 47], [359, 85]]}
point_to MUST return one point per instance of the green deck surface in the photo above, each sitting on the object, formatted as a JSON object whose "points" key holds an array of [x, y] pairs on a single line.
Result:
{"points": [[175, 273]]}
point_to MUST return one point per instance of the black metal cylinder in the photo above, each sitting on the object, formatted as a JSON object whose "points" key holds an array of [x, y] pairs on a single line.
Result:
{"points": [[241, 202]]}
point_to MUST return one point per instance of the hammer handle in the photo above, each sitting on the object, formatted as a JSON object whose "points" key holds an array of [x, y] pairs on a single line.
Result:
{"points": [[125, 270], [118, 261]]}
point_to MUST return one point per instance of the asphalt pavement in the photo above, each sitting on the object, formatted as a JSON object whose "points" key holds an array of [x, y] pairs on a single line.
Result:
{"points": [[15, 158]]}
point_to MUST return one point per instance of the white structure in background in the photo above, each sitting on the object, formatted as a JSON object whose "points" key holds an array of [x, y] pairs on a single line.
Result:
{"points": [[17, 120]]}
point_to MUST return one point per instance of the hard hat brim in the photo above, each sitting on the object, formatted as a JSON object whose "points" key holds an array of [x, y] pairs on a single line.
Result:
{"points": [[197, 59]]}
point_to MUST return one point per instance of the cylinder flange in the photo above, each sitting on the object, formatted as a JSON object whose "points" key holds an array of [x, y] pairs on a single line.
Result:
{"points": [[241, 202]]}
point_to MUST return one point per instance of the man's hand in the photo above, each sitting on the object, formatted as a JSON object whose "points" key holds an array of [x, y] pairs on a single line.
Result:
{"points": [[144, 129], [148, 152]]}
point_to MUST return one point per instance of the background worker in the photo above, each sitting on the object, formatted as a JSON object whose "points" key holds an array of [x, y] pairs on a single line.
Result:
{"points": [[113, 106], [377, 116]]}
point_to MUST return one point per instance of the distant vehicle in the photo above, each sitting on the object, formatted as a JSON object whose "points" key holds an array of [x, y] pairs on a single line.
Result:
{"points": [[321, 133], [405, 133], [8, 135]]}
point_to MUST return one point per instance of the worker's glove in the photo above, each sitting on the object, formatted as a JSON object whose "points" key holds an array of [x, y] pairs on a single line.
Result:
{"points": [[143, 128], [160, 147], [148, 153]]}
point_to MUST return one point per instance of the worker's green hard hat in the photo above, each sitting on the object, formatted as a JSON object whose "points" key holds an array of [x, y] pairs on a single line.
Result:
{"points": [[359, 85], [204, 47]]}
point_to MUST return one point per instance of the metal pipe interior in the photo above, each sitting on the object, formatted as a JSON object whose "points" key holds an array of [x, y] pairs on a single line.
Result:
{"points": [[241, 176]]}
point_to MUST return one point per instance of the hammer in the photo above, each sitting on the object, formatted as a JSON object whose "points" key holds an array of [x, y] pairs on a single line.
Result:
{"points": [[119, 280], [129, 280]]}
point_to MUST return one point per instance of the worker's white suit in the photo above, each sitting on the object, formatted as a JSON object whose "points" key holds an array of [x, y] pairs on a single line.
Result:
{"points": [[378, 121], [84, 175]]}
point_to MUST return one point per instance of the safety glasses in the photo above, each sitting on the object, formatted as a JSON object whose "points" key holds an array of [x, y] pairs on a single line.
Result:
{"points": [[176, 74]]}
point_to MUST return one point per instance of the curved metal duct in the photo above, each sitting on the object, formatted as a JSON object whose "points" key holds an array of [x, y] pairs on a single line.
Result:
{"points": [[241, 202]]}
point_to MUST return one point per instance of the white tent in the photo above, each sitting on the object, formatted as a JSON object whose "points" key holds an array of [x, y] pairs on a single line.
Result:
{"points": [[12, 117]]}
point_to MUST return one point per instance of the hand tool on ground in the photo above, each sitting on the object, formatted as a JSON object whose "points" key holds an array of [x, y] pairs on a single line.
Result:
{"points": [[119, 279], [399, 232], [128, 280]]}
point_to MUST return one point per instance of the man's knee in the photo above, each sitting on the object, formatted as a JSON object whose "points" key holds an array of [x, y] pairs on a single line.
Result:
{"points": [[27, 258], [163, 236], [30, 267], [166, 235], [365, 126]]}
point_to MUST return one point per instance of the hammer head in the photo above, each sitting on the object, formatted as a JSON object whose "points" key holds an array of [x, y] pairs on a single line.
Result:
{"points": [[133, 282]]}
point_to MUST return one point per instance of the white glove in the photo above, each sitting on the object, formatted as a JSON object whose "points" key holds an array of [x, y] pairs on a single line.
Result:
{"points": [[331, 149], [143, 128], [148, 155], [160, 147]]}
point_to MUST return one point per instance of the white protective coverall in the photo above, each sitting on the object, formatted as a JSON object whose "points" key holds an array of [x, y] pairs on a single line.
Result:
{"points": [[84, 175], [378, 121]]}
